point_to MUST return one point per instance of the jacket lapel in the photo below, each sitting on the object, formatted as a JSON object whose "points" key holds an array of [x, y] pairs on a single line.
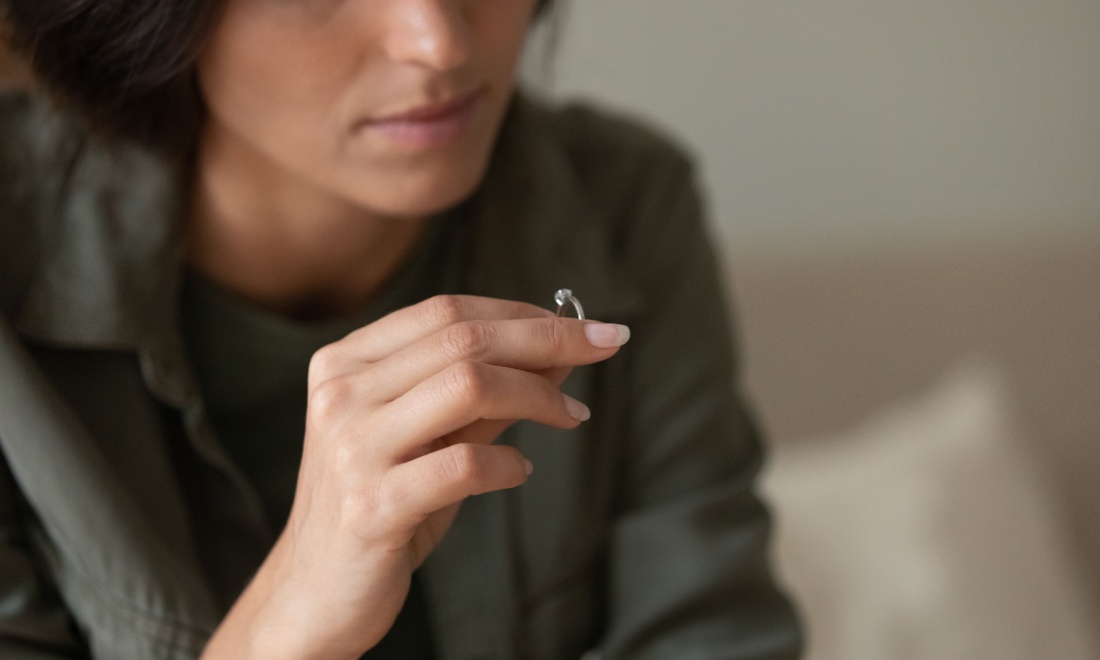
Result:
{"points": [[110, 279], [135, 582]]}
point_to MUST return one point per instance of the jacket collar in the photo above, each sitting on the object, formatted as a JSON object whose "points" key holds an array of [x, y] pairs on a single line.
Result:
{"points": [[111, 257]]}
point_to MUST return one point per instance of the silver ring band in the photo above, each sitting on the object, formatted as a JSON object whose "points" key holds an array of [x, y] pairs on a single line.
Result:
{"points": [[565, 296]]}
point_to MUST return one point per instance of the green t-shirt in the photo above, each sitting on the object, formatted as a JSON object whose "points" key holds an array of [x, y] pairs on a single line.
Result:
{"points": [[252, 367]]}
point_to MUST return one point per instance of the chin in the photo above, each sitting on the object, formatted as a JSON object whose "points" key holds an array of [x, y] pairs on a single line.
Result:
{"points": [[416, 195]]}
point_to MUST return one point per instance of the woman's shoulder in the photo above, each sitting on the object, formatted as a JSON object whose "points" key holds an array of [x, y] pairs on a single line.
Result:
{"points": [[37, 147], [17, 106], [611, 149], [33, 132], [639, 178]]}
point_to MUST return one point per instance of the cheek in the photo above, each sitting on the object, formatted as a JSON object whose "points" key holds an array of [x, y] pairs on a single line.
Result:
{"points": [[502, 26], [269, 79]]}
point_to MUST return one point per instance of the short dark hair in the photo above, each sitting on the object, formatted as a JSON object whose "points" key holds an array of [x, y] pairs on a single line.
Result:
{"points": [[126, 66]]}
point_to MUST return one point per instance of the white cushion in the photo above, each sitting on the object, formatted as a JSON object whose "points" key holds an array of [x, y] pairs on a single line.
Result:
{"points": [[926, 533]]}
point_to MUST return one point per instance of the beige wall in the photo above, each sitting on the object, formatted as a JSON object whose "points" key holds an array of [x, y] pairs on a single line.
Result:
{"points": [[832, 123]]}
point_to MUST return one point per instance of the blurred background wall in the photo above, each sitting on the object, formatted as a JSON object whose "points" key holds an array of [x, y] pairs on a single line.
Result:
{"points": [[833, 123], [908, 197]]}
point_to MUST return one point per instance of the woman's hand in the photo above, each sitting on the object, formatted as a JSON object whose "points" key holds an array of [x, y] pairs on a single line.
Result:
{"points": [[400, 423]]}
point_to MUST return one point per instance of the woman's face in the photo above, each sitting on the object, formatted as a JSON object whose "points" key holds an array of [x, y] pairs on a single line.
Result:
{"points": [[393, 105]]}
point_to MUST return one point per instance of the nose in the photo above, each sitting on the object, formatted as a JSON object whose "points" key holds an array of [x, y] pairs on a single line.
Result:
{"points": [[430, 33]]}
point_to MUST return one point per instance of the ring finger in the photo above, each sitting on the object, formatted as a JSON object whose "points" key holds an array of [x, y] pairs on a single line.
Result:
{"points": [[467, 392]]}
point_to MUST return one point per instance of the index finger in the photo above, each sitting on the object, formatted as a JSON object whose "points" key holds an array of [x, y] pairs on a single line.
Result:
{"points": [[407, 326]]}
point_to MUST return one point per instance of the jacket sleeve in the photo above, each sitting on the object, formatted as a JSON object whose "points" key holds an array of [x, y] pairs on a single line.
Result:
{"points": [[34, 624], [689, 571]]}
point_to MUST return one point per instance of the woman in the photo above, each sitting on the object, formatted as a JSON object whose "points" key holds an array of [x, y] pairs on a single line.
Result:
{"points": [[272, 306]]}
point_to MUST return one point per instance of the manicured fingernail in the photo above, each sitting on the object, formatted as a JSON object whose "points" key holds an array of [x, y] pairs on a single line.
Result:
{"points": [[577, 410], [529, 466], [607, 335]]}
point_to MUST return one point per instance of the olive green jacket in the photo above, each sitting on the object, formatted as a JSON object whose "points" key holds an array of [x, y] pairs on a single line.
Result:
{"points": [[126, 531]]}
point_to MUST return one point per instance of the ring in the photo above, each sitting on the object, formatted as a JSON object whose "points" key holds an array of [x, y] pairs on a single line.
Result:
{"points": [[564, 296]]}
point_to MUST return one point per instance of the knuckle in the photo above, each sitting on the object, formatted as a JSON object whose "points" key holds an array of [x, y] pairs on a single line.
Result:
{"points": [[362, 514], [392, 500], [468, 340], [443, 310], [465, 381], [464, 466], [371, 506], [322, 363], [328, 397], [346, 462], [552, 334]]}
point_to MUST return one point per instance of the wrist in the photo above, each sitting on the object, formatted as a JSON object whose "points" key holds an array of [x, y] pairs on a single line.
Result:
{"points": [[276, 617]]}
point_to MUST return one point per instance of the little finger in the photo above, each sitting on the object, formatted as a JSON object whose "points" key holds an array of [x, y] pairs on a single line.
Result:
{"points": [[418, 488]]}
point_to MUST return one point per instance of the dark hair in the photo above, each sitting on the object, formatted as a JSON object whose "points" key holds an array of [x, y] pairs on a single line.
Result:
{"points": [[127, 66]]}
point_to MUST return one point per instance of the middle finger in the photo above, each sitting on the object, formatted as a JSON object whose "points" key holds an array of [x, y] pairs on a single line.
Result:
{"points": [[527, 344]]}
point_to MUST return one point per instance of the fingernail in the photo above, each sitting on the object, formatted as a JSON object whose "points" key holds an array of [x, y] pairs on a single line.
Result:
{"points": [[529, 466], [607, 335], [577, 410]]}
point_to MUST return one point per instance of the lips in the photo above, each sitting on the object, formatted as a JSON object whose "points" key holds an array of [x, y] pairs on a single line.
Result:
{"points": [[427, 126], [432, 112]]}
